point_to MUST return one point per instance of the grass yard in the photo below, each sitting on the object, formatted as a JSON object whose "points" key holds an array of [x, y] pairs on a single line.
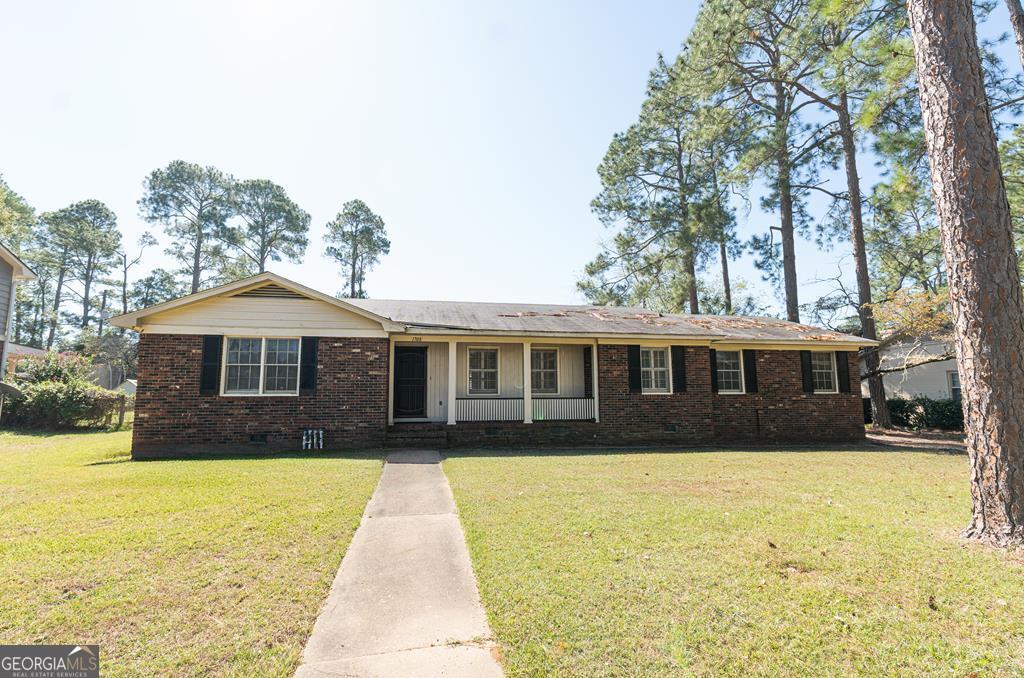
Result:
{"points": [[810, 563], [173, 567]]}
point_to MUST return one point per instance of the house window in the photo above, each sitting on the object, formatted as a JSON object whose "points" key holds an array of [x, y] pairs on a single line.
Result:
{"points": [[730, 371], [654, 370], [954, 384], [258, 366], [823, 369], [282, 371], [483, 371], [544, 366]]}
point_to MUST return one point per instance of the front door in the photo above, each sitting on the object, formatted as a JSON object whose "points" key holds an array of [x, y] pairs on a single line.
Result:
{"points": [[410, 381]]}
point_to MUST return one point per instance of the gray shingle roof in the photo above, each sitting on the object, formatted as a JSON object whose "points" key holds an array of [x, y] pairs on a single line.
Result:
{"points": [[592, 320]]}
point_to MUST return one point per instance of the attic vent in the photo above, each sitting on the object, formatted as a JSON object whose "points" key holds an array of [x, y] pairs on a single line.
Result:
{"points": [[272, 290]]}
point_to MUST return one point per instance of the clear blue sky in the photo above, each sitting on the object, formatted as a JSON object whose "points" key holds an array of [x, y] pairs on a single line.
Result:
{"points": [[473, 128]]}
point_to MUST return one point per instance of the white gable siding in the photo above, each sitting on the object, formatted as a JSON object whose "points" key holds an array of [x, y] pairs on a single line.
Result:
{"points": [[269, 316]]}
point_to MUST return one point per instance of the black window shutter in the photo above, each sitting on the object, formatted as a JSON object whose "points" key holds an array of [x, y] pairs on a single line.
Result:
{"points": [[633, 360], [209, 374], [307, 365], [588, 371], [750, 371], [843, 368], [714, 371], [805, 370], [678, 369]]}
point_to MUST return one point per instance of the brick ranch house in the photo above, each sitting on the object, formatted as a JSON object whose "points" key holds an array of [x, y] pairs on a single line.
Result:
{"points": [[262, 362]]}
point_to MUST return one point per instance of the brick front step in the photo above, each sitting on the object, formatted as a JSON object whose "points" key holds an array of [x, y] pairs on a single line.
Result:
{"points": [[428, 435]]}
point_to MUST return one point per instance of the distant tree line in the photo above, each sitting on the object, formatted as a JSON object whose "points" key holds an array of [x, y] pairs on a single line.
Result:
{"points": [[219, 229]]}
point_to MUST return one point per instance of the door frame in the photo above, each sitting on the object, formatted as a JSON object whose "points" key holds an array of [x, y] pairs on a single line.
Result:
{"points": [[394, 385]]}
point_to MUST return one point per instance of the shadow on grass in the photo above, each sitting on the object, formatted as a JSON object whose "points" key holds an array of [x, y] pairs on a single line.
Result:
{"points": [[119, 459], [774, 448], [264, 456]]}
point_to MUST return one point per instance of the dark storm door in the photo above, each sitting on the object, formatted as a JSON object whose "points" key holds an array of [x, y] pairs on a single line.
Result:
{"points": [[410, 381]]}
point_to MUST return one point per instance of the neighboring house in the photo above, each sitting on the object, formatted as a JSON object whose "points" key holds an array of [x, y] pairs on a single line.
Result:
{"points": [[128, 386], [938, 380], [265, 361], [16, 352], [12, 271]]}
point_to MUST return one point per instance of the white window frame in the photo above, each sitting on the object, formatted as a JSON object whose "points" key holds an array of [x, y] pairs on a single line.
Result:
{"points": [[743, 372], [835, 373], [263, 365], [950, 375], [668, 369], [558, 371], [497, 372]]}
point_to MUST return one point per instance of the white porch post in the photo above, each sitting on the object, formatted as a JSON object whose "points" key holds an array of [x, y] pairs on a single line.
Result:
{"points": [[593, 379], [527, 385], [391, 381], [452, 359]]}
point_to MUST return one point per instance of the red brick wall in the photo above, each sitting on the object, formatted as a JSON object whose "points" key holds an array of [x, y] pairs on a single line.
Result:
{"points": [[780, 410], [637, 417], [171, 417], [350, 403]]}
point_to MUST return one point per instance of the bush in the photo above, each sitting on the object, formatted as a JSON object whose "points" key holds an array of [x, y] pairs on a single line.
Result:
{"points": [[61, 367], [922, 412], [61, 405]]}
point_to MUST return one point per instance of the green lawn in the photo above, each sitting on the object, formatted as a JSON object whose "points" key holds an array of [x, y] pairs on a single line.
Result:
{"points": [[799, 563], [173, 567]]}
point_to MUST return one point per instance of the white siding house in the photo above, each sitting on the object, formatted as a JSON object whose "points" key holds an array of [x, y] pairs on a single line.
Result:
{"points": [[937, 380], [12, 271]]}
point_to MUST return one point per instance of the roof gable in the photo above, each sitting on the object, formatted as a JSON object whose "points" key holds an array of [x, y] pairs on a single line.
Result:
{"points": [[234, 300]]}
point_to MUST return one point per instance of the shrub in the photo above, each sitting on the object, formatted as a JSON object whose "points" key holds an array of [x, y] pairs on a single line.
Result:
{"points": [[60, 367], [61, 405], [922, 412]]}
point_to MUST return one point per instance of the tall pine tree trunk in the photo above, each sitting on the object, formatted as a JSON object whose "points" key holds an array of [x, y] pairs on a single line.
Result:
{"points": [[786, 203], [86, 289], [352, 275], [1017, 21], [691, 283], [724, 254], [197, 260], [56, 308], [977, 241], [876, 388]]}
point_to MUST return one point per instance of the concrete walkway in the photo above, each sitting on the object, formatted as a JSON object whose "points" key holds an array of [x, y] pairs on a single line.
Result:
{"points": [[404, 602]]}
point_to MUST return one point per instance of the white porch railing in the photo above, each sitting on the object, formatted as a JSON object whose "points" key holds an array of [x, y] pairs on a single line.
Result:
{"points": [[511, 409], [489, 409], [563, 409]]}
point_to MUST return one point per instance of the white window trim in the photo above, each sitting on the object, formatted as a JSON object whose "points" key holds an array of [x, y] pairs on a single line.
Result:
{"points": [[743, 373], [835, 374], [558, 372], [949, 383], [263, 364], [668, 366], [497, 372]]}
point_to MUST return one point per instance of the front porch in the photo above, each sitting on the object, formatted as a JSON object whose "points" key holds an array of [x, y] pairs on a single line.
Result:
{"points": [[492, 380]]}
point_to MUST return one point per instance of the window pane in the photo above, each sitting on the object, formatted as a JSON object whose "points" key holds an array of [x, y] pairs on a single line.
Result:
{"points": [[660, 379], [659, 359], [730, 375], [645, 359], [242, 365], [646, 380], [821, 369]]}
